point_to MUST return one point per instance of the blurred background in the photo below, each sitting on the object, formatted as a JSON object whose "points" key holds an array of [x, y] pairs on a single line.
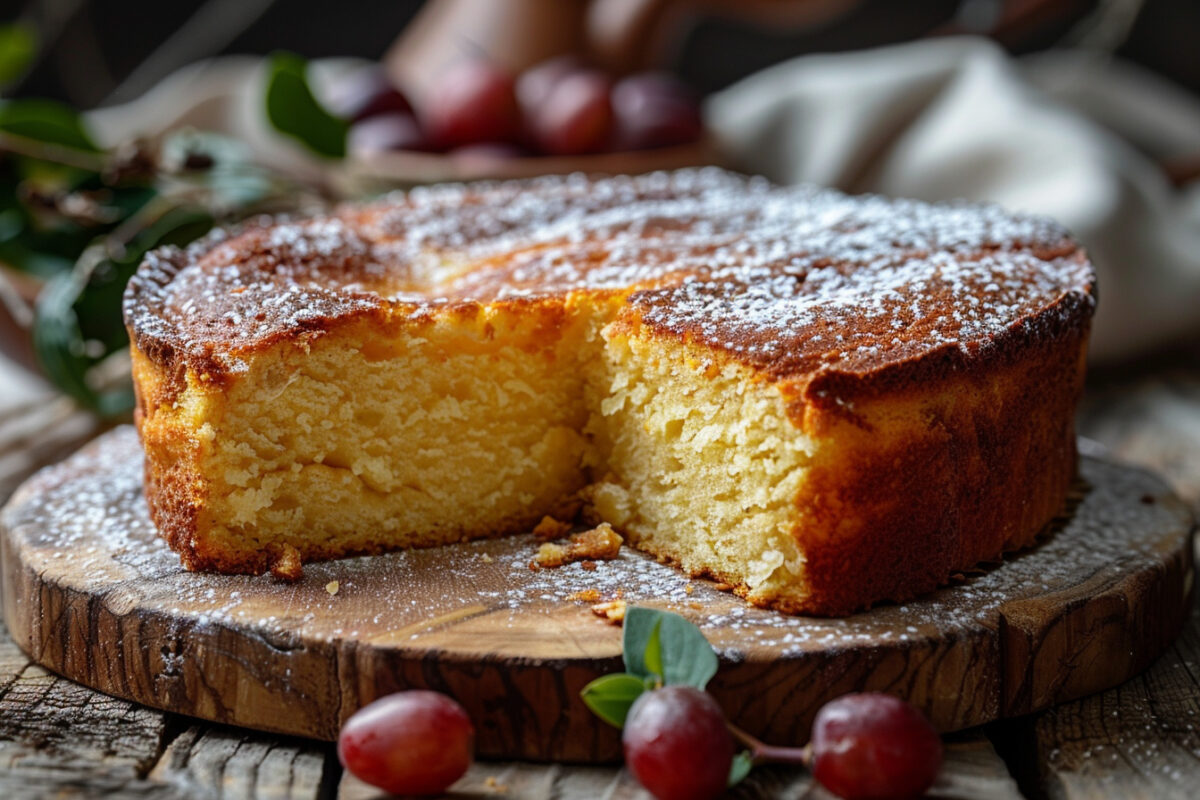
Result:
{"points": [[98, 51], [130, 125]]}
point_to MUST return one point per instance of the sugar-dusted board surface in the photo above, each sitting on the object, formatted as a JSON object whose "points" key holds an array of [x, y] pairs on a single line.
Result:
{"points": [[92, 593]]}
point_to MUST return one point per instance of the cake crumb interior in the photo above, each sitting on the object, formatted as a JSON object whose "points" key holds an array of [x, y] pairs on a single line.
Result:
{"points": [[480, 425]]}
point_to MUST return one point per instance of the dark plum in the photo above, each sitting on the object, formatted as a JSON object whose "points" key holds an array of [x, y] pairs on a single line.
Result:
{"points": [[535, 83], [576, 116], [386, 132], [364, 93]]}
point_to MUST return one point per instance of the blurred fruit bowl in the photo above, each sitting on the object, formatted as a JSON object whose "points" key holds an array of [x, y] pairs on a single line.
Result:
{"points": [[476, 121]]}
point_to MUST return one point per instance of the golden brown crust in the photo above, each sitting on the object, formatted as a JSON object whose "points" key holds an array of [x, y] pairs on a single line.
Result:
{"points": [[984, 472], [771, 277]]}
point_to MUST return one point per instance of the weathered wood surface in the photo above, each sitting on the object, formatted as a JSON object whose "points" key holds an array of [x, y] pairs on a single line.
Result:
{"points": [[36, 431], [1085, 610], [1142, 739], [973, 771], [60, 739], [1139, 741], [237, 763]]}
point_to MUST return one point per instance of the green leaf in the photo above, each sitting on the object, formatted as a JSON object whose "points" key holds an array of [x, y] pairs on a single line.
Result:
{"points": [[62, 351], [178, 226], [293, 109], [611, 696], [640, 625], [652, 654], [46, 121], [681, 652], [740, 768], [18, 46]]}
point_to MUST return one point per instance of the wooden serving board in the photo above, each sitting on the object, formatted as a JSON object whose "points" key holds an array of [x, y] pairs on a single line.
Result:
{"points": [[92, 593]]}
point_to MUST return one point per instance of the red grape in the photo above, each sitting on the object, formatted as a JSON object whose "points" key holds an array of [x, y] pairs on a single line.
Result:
{"points": [[576, 116], [365, 93], [535, 83], [677, 745], [874, 747], [385, 132], [408, 743], [655, 110], [474, 101]]}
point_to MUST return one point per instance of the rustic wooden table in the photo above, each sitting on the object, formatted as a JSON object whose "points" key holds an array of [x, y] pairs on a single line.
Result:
{"points": [[1140, 740]]}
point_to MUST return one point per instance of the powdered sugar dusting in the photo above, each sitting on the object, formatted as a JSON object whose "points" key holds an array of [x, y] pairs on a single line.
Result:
{"points": [[790, 278]]}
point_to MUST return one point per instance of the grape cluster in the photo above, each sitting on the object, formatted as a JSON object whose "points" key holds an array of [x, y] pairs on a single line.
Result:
{"points": [[562, 107]]}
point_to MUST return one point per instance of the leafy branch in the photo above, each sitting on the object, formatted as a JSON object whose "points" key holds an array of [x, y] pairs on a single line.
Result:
{"points": [[81, 219], [663, 649]]}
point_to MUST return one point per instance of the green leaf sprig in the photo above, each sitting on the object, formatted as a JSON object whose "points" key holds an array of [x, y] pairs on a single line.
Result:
{"points": [[659, 649]]}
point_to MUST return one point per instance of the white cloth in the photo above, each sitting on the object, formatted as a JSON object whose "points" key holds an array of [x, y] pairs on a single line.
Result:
{"points": [[937, 119], [957, 118]]}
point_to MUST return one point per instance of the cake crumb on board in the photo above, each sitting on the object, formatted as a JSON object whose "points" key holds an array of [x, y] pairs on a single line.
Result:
{"points": [[598, 544], [612, 611], [549, 555]]}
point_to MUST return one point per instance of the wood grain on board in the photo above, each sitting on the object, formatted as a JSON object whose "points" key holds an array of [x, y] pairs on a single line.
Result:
{"points": [[92, 593], [61, 739]]}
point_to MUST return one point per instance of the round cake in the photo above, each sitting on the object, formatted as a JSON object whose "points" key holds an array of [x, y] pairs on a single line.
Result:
{"points": [[823, 401]]}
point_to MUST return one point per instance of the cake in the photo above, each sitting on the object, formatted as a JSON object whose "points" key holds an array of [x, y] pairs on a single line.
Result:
{"points": [[823, 401]]}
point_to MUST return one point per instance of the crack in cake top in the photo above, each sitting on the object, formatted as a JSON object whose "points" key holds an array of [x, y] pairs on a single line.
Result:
{"points": [[786, 279]]}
